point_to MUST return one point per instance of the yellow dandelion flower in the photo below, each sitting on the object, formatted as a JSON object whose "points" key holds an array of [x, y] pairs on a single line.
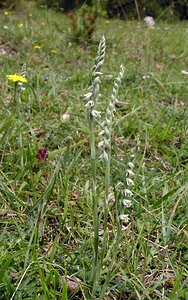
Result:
{"points": [[107, 22], [54, 51], [6, 13], [30, 15], [21, 25], [16, 78], [37, 47]]}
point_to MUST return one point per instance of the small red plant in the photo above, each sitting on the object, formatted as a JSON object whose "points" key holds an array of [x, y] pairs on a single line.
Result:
{"points": [[42, 154]]}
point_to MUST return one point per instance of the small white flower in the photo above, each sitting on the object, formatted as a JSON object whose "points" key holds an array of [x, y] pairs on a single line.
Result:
{"points": [[96, 113], [184, 72], [22, 88], [106, 143], [124, 218], [129, 181], [90, 88], [65, 117], [104, 156], [127, 203], [149, 21], [101, 132], [5, 27], [109, 112], [87, 96], [129, 173], [131, 165], [128, 193], [89, 104], [103, 124], [101, 144]]}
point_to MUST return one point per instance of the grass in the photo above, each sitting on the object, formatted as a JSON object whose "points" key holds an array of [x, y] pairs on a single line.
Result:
{"points": [[46, 216]]}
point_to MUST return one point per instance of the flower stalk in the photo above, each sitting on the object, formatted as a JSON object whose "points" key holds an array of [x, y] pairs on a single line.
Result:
{"points": [[106, 133], [106, 155], [92, 113]]}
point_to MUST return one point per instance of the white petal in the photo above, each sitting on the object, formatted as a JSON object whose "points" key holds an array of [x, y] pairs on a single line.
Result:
{"points": [[96, 113], [129, 173], [101, 132], [184, 72], [101, 144], [104, 156], [124, 218], [90, 88], [127, 203], [131, 165], [89, 104], [87, 96], [129, 181], [128, 193]]}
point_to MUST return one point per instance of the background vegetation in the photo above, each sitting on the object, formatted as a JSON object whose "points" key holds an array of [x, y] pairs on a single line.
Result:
{"points": [[125, 9], [46, 216]]}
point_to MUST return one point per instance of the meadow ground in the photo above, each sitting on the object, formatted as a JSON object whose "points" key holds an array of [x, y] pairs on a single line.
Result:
{"points": [[46, 214]]}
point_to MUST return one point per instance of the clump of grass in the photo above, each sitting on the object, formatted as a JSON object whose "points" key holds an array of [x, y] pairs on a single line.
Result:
{"points": [[83, 23]]}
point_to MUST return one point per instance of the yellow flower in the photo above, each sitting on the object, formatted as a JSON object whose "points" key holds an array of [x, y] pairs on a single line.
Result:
{"points": [[37, 46], [107, 22], [6, 13], [54, 51], [21, 25], [16, 78], [30, 15]]}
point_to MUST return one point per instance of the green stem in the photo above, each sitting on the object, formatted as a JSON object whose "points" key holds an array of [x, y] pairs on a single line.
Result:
{"points": [[93, 278], [15, 104], [148, 51], [15, 91], [107, 187], [114, 250], [113, 259]]}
